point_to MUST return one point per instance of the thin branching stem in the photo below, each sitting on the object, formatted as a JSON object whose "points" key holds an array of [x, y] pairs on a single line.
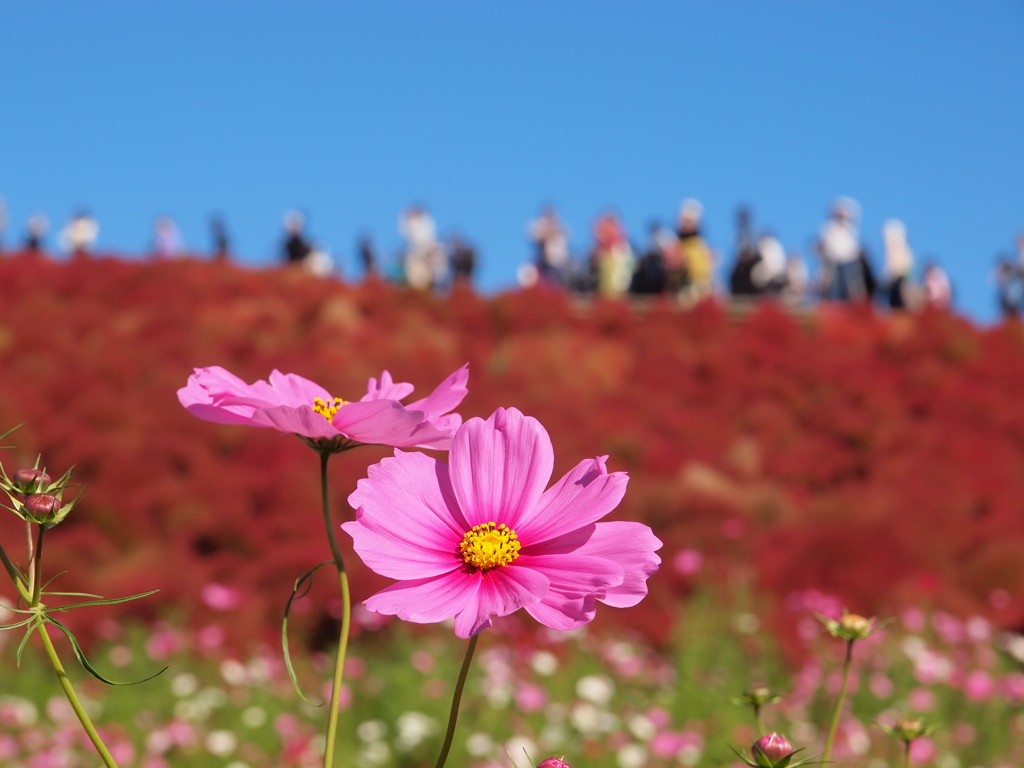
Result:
{"points": [[453, 716], [346, 615]]}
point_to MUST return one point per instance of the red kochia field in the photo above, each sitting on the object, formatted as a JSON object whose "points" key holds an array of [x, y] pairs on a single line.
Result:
{"points": [[879, 458]]}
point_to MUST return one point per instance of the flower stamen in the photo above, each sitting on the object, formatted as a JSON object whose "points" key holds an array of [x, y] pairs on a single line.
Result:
{"points": [[328, 410], [489, 545]]}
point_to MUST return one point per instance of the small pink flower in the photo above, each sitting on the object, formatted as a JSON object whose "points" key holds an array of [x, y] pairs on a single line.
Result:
{"points": [[530, 697], [687, 562], [481, 537], [922, 751], [553, 762], [290, 403], [979, 685], [220, 597]]}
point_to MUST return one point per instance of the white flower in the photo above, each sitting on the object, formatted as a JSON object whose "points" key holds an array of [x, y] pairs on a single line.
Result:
{"points": [[221, 743], [632, 756], [544, 663], [371, 730], [597, 689], [479, 744], [413, 728]]}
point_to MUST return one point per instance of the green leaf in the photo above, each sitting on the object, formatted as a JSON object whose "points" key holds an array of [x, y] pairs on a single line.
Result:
{"points": [[85, 662], [301, 588], [102, 601], [21, 623], [24, 640]]}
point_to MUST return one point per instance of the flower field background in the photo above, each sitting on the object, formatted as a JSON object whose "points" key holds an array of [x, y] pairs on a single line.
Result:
{"points": [[788, 461]]}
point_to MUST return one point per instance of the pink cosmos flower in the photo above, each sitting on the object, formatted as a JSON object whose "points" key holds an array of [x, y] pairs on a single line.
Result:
{"points": [[481, 537], [291, 403]]}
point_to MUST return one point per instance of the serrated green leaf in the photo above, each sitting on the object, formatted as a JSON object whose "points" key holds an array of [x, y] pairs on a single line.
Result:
{"points": [[80, 655], [299, 590]]}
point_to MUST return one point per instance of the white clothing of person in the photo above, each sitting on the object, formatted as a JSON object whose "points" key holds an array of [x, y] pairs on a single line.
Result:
{"points": [[839, 241]]}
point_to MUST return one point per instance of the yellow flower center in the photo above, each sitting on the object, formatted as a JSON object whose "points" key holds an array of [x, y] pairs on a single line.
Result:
{"points": [[488, 546], [328, 409]]}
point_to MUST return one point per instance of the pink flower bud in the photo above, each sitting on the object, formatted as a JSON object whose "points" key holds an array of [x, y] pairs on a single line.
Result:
{"points": [[553, 762], [30, 480], [773, 746], [41, 507]]}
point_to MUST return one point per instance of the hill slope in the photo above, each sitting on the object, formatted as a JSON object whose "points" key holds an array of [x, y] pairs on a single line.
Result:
{"points": [[877, 458]]}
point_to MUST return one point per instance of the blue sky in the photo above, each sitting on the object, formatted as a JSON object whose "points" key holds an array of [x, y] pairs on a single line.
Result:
{"points": [[485, 110]]}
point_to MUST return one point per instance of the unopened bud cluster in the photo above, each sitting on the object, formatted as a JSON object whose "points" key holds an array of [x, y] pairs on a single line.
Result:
{"points": [[35, 497]]}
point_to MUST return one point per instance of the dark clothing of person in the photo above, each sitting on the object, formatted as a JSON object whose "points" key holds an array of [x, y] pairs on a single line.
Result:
{"points": [[296, 249], [870, 281], [463, 261], [741, 279], [896, 293], [368, 256], [649, 276]]}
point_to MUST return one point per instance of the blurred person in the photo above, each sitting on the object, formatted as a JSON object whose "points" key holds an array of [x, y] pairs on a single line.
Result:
{"points": [[367, 255], [741, 278], [425, 262], [938, 291], [843, 275], [462, 258], [695, 256], [219, 238], [166, 238], [1009, 287], [649, 275], [612, 258], [899, 261], [318, 261], [769, 273], [38, 226], [80, 233], [550, 238], [295, 248], [797, 279]]}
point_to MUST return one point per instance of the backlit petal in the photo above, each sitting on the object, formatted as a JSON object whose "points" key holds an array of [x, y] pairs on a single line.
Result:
{"points": [[582, 496], [499, 467]]}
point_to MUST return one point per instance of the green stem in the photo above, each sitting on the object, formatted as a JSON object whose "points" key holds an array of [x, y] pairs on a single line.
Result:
{"points": [[16, 577], [346, 615], [76, 705], [839, 703], [37, 568], [906, 754], [30, 547], [453, 716], [757, 720]]}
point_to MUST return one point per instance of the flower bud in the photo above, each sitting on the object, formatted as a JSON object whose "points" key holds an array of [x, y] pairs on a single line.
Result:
{"points": [[855, 626], [773, 746], [553, 762], [30, 480], [909, 729], [42, 507], [758, 696]]}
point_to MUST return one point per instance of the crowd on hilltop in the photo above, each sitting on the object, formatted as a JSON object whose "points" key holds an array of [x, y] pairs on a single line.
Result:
{"points": [[678, 261], [674, 261]]}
